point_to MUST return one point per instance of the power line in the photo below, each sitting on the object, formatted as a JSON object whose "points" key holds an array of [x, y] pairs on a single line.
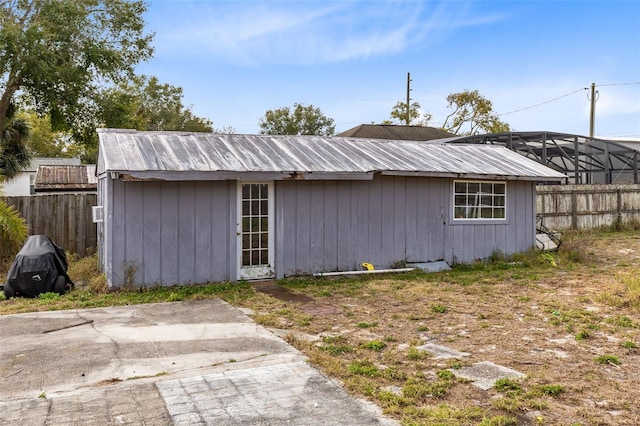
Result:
{"points": [[545, 102], [619, 84], [569, 94]]}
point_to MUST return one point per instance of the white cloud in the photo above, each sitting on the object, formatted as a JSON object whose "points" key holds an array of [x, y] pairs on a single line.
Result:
{"points": [[288, 33]]}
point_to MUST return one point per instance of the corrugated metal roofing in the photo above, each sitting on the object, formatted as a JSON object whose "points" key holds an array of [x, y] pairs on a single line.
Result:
{"points": [[173, 155], [50, 178]]}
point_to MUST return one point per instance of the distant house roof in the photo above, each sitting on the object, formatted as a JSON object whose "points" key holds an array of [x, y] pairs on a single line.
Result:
{"points": [[51, 161], [395, 132], [208, 156], [66, 178]]}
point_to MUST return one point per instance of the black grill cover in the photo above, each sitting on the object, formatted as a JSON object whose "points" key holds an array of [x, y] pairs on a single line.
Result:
{"points": [[36, 267]]}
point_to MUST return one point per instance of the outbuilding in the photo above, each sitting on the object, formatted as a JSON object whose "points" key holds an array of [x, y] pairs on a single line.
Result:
{"points": [[180, 208]]}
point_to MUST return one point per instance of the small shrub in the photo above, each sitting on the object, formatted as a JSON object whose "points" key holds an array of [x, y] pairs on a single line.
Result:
{"points": [[552, 390], [608, 359], [499, 421], [629, 344], [439, 309], [445, 375], [364, 368], [504, 385], [367, 324], [374, 345], [584, 334], [622, 321], [49, 296], [415, 354]]}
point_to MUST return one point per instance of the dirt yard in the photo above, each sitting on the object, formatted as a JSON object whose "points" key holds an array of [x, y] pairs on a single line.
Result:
{"points": [[569, 321]]}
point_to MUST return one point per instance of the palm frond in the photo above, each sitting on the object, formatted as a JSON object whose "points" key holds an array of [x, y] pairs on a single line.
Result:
{"points": [[13, 231]]}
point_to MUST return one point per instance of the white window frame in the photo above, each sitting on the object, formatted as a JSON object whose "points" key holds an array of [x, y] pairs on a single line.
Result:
{"points": [[474, 208]]}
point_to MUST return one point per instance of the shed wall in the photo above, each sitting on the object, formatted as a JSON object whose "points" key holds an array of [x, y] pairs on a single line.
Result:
{"points": [[337, 225], [181, 232], [166, 233], [466, 243]]}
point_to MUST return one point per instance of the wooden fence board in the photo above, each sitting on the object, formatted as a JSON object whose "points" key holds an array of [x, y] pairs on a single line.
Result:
{"points": [[65, 218], [588, 206]]}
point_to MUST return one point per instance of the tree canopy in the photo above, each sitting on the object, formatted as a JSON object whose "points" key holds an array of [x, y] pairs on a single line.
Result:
{"points": [[57, 53], [302, 120], [416, 116], [472, 114]]}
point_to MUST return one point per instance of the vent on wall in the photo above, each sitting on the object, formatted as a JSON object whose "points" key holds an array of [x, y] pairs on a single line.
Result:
{"points": [[97, 213]]}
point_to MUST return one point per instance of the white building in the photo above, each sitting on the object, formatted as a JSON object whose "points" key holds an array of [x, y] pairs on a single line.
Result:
{"points": [[24, 183]]}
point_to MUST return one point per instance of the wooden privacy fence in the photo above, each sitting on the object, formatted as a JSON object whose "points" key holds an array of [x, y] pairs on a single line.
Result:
{"points": [[65, 218], [588, 206]]}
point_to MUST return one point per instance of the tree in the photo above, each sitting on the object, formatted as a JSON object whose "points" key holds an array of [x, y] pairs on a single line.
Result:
{"points": [[142, 103], [472, 114], [303, 120], [14, 155], [58, 52], [45, 142], [145, 104], [415, 118]]}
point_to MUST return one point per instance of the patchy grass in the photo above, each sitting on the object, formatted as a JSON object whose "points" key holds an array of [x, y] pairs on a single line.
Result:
{"points": [[548, 316]]}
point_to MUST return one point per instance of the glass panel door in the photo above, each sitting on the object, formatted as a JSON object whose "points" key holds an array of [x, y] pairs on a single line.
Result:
{"points": [[255, 213]]}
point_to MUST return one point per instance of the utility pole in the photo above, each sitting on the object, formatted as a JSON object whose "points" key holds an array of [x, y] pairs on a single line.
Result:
{"points": [[408, 120], [592, 116]]}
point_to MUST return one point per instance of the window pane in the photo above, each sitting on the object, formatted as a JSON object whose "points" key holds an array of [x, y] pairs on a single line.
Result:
{"points": [[246, 261], [254, 191], [473, 188], [264, 207], [499, 213], [499, 200], [245, 208], [499, 188], [255, 208], [461, 200], [246, 224], [264, 224], [461, 187], [459, 212], [245, 191], [264, 257], [486, 188], [264, 239], [255, 257], [486, 200], [486, 212], [255, 240], [264, 193]]}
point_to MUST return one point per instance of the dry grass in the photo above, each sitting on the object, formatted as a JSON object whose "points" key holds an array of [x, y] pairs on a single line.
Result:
{"points": [[556, 324]]}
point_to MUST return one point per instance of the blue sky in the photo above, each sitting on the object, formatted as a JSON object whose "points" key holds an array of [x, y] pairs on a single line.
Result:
{"points": [[237, 59]]}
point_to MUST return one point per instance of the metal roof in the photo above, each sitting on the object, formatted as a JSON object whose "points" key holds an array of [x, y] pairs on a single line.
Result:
{"points": [[190, 156], [59, 178]]}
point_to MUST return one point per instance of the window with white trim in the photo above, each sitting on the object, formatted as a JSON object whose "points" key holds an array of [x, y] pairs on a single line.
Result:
{"points": [[479, 200]]}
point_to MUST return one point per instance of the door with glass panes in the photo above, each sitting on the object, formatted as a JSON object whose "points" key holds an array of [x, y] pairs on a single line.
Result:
{"points": [[255, 230]]}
